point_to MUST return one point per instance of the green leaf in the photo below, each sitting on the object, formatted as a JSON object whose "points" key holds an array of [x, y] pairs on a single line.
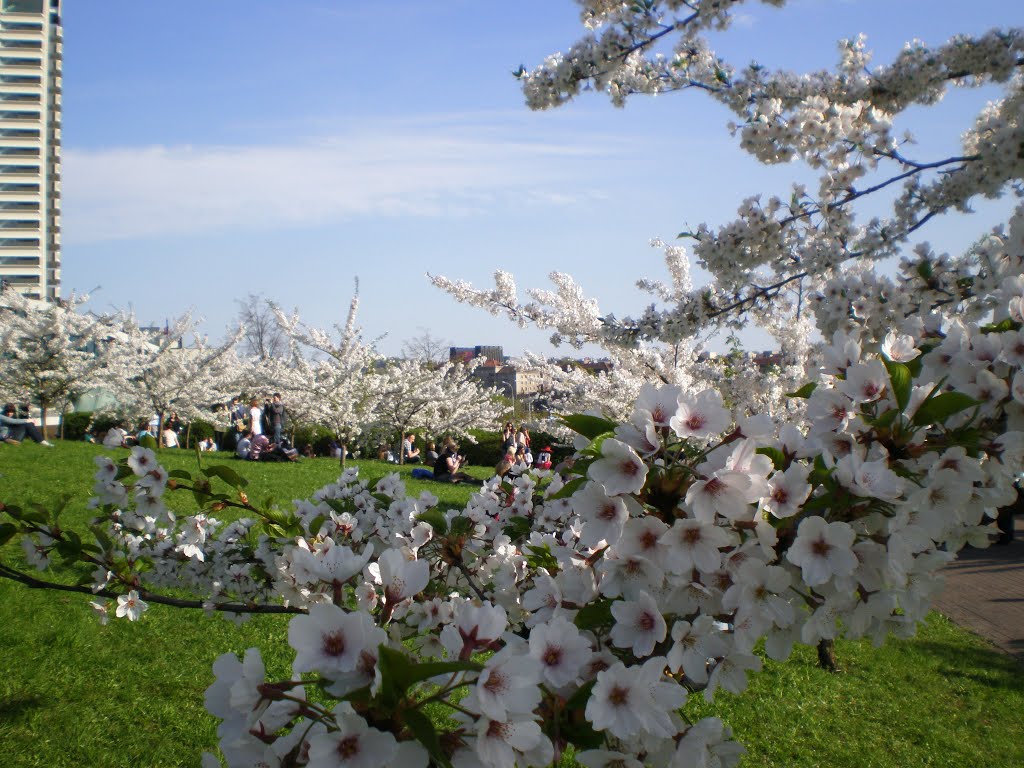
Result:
{"points": [[575, 726], [540, 557], [426, 734], [425, 670], [899, 377], [180, 474], [588, 426], [886, 419], [148, 442], [778, 457], [518, 528], [69, 547], [434, 518], [101, 538], [395, 675], [337, 505], [461, 526], [7, 531], [804, 391], [27, 516], [315, 524], [596, 614], [1006, 325], [399, 673], [941, 407], [227, 474], [568, 489]]}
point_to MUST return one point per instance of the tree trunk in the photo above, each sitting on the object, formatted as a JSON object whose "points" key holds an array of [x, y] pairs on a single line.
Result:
{"points": [[344, 453], [188, 431], [827, 655], [401, 448], [42, 421]]}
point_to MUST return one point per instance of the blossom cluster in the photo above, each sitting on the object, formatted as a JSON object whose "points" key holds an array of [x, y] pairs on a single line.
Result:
{"points": [[582, 608]]}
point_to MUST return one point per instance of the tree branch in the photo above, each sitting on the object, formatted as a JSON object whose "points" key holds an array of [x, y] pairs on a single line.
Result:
{"points": [[34, 583]]}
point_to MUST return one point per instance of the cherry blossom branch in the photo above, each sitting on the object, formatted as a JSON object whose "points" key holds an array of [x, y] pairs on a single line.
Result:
{"points": [[7, 572]]}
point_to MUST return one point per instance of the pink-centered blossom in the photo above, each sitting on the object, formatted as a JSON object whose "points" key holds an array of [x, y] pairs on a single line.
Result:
{"points": [[353, 744], [560, 650], [695, 543], [328, 640], [701, 417], [865, 382], [507, 686], [639, 625], [626, 701], [620, 469], [823, 550], [130, 606], [661, 402], [602, 513]]}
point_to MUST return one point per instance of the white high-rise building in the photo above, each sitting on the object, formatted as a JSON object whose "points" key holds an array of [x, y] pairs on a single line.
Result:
{"points": [[30, 88]]}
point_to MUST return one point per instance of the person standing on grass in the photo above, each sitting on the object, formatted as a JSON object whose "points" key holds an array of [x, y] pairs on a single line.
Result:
{"points": [[275, 417], [238, 414], [13, 430], [255, 418], [508, 438]]}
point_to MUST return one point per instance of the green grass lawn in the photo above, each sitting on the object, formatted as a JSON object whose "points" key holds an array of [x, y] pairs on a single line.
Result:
{"points": [[74, 693]]}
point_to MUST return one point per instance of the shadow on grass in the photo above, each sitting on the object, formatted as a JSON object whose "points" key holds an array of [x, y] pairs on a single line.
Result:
{"points": [[13, 708], [980, 665]]}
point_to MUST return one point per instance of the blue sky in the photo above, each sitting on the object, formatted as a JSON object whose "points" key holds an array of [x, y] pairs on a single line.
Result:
{"points": [[212, 150]]}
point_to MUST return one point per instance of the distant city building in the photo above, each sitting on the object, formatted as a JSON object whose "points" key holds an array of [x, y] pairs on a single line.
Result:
{"points": [[510, 380], [30, 118], [465, 354]]}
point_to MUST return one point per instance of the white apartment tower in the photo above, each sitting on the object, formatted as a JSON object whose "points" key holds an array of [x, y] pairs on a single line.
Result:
{"points": [[30, 87]]}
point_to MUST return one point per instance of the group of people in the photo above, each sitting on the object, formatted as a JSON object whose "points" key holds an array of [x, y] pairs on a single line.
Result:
{"points": [[257, 447], [258, 430], [268, 418], [169, 436], [516, 448]]}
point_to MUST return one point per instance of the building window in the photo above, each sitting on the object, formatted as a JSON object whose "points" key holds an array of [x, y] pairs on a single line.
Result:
{"points": [[23, 6]]}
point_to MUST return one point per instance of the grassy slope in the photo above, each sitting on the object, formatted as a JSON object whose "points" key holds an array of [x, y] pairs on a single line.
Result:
{"points": [[73, 693]]}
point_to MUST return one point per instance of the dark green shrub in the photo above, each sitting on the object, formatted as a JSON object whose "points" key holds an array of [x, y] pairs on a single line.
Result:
{"points": [[559, 450], [311, 434], [485, 452], [75, 424], [102, 422], [196, 430]]}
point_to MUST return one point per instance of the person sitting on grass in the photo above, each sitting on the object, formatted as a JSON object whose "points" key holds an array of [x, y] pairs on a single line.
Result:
{"points": [[115, 437], [544, 458], [243, 444], [446, 468], [143, 433], [410, 453], [13, 430], [170, 437], [431, 453], [262, 449]]}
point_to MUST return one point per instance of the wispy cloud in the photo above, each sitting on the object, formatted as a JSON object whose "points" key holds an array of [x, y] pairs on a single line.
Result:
{"points": [[388, 169]]}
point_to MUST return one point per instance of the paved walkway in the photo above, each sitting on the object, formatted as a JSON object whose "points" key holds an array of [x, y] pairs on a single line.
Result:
{"points": [[985, 593]]}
